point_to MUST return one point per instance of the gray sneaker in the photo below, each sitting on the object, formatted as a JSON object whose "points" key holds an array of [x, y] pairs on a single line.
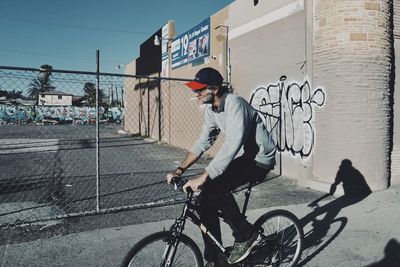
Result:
{"points": [[242, 249], [210, 264]]}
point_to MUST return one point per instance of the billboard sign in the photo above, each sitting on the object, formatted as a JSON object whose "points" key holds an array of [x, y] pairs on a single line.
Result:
{"points": [[191, 45]]}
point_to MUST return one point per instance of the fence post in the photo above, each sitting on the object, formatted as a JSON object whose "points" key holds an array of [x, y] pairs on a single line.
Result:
{"points": [[140, 107], [97, 132], [148, 107], [159, 107]]}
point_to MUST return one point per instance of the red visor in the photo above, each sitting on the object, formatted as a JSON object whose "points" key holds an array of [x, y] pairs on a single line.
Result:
{"points": [[195, 85]]}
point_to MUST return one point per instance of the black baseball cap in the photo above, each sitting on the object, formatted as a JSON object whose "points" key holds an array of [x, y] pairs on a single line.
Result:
{"points": [[205, 77]]}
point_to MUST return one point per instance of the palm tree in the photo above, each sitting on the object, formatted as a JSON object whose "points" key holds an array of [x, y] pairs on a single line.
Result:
{"points": [[41, 84], [11, 94], [90, 94]]}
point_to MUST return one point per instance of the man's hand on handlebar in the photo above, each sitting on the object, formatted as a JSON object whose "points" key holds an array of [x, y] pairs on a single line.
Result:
{"points": [[174, 175], [197, 183], [176, 180], [171, 176]]}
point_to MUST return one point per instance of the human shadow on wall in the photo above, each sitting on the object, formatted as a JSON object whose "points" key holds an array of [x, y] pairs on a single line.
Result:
{"points": [[392, 255], [324, 230]]}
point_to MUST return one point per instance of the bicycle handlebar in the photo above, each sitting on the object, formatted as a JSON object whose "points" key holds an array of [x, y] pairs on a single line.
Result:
{"points": [[178, 184]]}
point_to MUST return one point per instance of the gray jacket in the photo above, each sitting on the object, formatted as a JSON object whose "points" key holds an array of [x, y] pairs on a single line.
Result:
{"points": [[242, 127]]}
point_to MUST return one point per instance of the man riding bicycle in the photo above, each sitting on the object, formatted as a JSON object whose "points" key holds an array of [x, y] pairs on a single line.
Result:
{"points": [[247, 154]]}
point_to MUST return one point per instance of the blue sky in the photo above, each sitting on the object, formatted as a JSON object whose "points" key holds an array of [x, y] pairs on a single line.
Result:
{"points": [[67, 33]]}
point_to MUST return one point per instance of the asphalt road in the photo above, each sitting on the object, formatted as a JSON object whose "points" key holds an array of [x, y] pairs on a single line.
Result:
{"points": [[60, 181], [50, 172]]}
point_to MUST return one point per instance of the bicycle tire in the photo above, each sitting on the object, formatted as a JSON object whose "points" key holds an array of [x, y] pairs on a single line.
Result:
{"points": [[149, 252], [282, 242]]}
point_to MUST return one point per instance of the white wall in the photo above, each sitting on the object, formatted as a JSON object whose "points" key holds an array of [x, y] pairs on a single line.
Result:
{"points": [[53, 100], [266, 42]]}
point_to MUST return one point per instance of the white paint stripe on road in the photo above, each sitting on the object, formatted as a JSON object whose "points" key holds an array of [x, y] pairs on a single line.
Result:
{"points": [[24, 145]]}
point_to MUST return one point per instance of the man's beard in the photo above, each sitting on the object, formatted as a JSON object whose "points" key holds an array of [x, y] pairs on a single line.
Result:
{"points": [[208, 99]]}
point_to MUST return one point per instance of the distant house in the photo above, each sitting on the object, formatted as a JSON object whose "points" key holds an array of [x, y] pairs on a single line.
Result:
{"points": [[55, 98]]}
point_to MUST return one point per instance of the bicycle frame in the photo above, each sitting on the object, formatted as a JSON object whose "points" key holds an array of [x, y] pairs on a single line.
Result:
{"points": [[188, 213]]}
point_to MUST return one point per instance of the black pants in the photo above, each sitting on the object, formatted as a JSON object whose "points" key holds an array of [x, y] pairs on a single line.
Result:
{"points": [[217, 195]]}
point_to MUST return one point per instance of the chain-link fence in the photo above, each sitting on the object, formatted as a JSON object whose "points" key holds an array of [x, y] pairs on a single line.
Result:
{"points": [[61, 155]]}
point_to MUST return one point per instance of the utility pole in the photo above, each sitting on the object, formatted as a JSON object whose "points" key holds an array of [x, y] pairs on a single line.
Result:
{"points": [[122, 96], [116, 94]]}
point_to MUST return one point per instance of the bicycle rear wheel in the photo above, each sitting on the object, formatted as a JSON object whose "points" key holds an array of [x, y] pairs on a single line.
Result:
{"points": [[282, 241], [154, 249]]}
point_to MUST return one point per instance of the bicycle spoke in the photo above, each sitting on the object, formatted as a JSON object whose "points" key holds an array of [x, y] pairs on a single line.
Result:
{"points": [[181, 257], [281, 241], [277, 226]]}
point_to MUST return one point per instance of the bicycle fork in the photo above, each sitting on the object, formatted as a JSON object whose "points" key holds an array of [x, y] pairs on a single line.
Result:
{"points": [[169, 254], [176, 230]]}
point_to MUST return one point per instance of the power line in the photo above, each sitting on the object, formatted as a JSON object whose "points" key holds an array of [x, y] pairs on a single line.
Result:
{"points": [[52, 55], [43, 54], [73, 26]]}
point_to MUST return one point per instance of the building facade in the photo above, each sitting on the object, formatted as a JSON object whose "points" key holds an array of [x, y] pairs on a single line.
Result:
{"points": [[331, 67]]}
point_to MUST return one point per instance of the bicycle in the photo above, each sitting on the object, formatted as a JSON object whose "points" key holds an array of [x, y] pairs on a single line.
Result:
{"points": [[281, 243]]}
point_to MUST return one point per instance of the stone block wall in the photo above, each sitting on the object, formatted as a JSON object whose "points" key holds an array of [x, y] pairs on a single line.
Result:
{"points": [[352, 52]]}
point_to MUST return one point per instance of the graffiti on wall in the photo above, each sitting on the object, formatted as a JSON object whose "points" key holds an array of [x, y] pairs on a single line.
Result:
{"points": [[288, 110], [17, 114]]}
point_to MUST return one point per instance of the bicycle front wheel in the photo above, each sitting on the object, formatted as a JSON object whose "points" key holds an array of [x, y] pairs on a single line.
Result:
{"points": [[157, 249], [282, 239]]}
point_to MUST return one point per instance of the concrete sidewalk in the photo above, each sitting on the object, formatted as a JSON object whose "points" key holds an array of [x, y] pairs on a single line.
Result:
{"points": [[338, 232]]}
